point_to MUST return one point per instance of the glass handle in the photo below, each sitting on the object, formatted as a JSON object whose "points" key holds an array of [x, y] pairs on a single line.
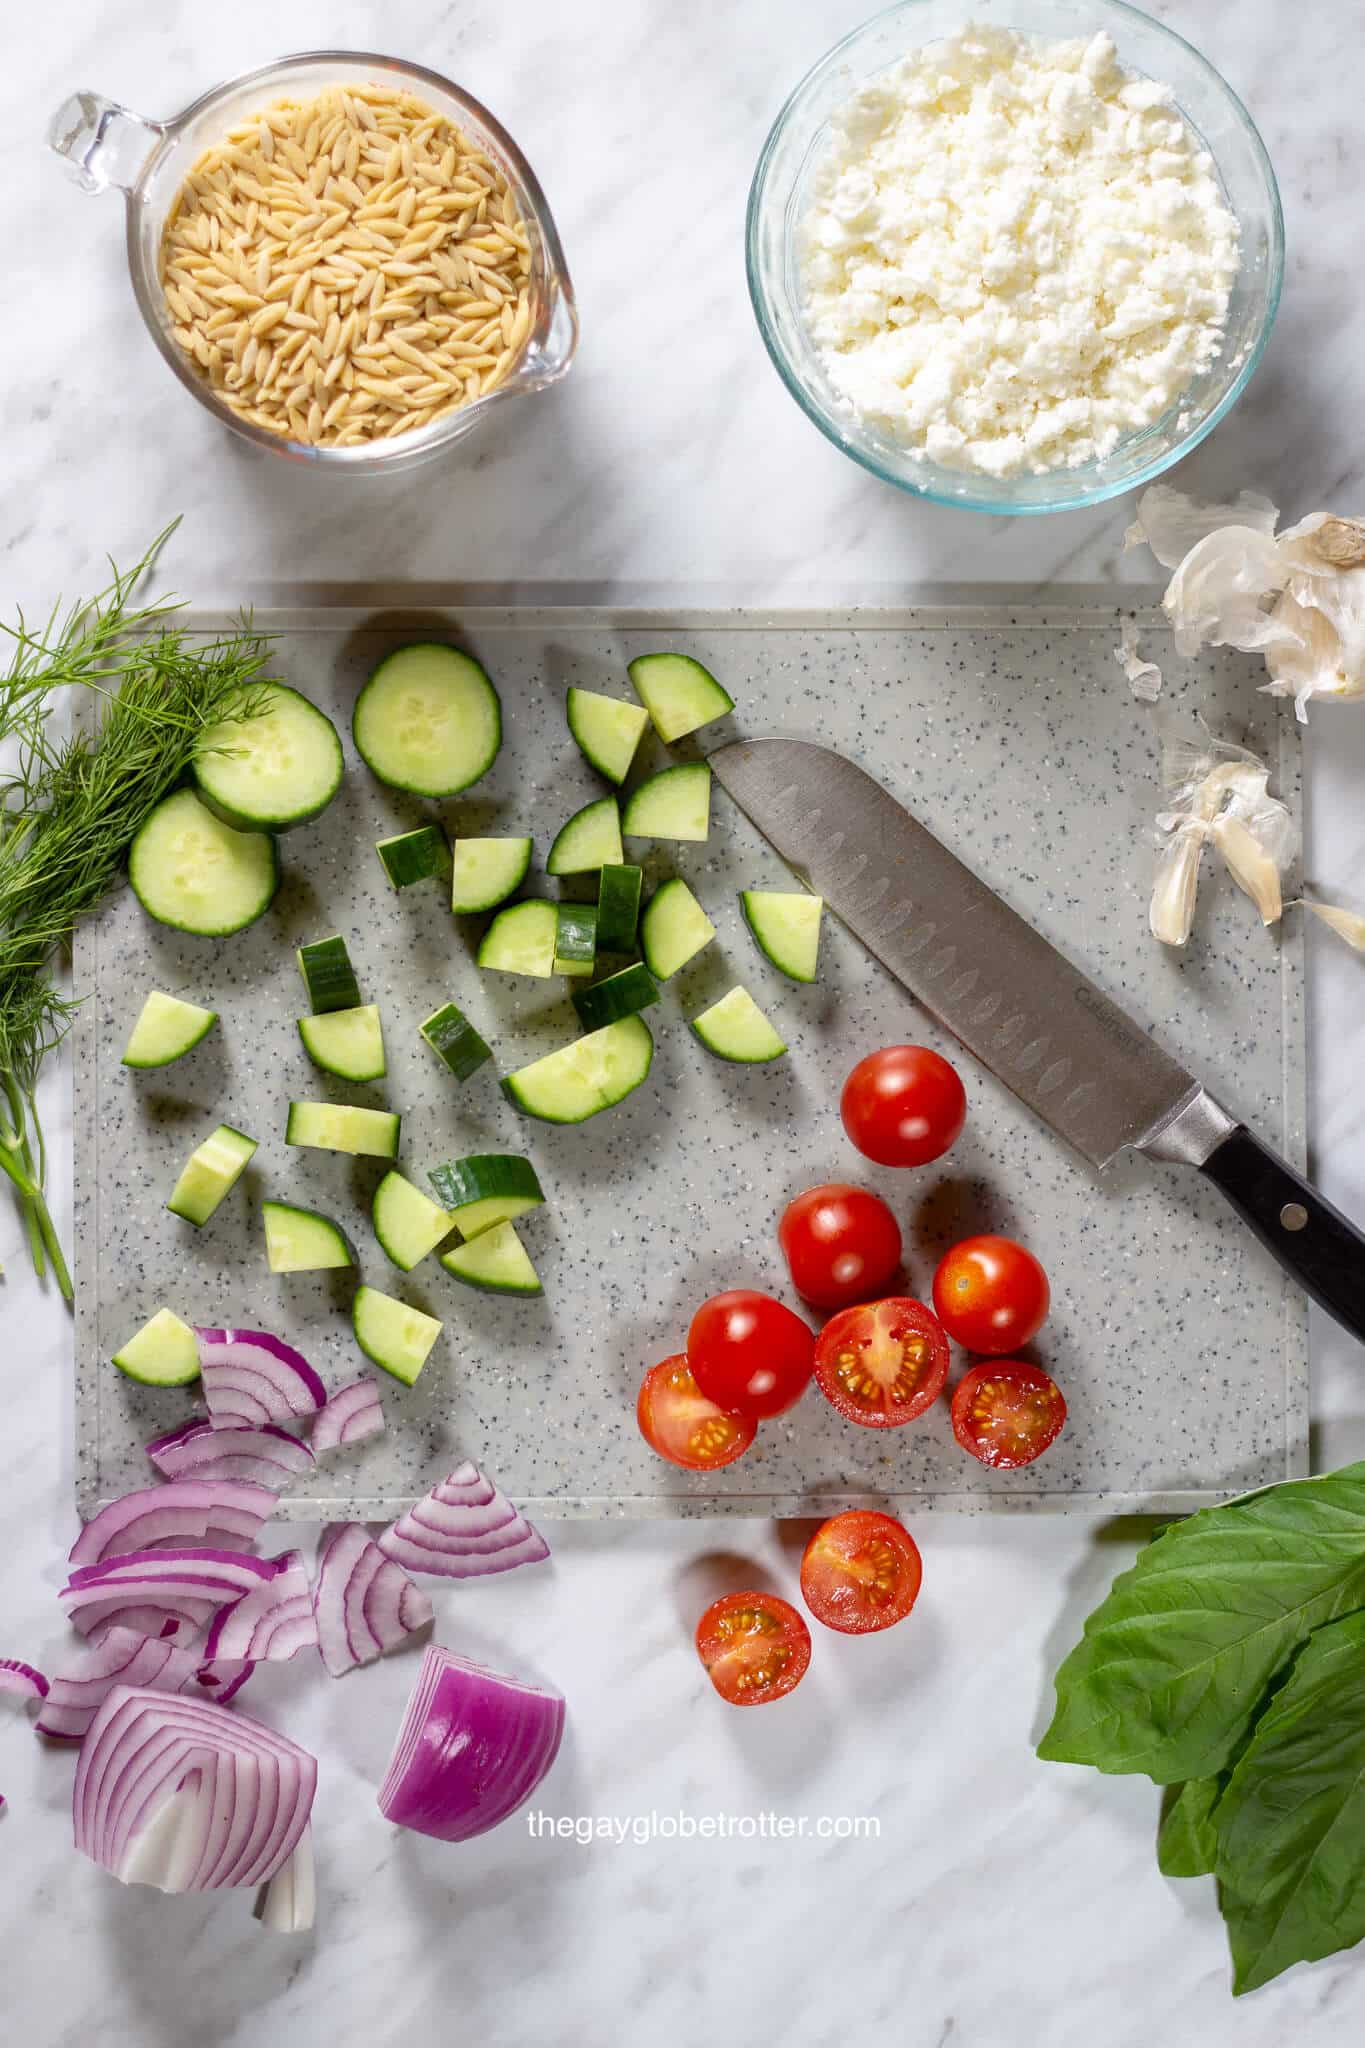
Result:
{"points": [[104, 143]]}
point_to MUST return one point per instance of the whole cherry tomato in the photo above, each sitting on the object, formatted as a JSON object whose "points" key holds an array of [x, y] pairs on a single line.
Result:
{"points": [[903, 1106], [841, 1244]]}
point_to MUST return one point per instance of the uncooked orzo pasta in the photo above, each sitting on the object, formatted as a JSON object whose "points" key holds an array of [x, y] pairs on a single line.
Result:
{"points": [[345, 268]]}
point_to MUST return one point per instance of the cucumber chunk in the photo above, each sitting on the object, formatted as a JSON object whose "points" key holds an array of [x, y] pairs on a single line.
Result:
{"points": [[620, 995], [301, 1240], [673, 930], [191, 871], [209, 1172], [786, 925], [607, 731], [410, 857], [485, 872], [407, 1223], [678, 693], [347, 1043], [674, 804], [163, 1353], [428, 720], [592, 1074], [166, 1029], [328, 975], [575, 938], [736, 1029], [618, 907], [497, 1262], [273, 771], [590, 839], [341, 1127], [486, 1189], [453, 1039], [392, 1335], [521, 940]]}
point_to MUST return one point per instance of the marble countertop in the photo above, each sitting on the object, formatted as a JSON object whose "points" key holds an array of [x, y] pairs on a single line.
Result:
{"points": [[1001, 1901]]}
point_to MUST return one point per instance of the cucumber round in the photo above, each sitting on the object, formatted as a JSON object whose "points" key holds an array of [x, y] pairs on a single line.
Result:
{"points": [[591, 839], [428, 720], [497, 1262], [347, 1043], [521, 939], [392, 1335], [211, 1170], [163, 1353], [191, 871], [619, 995], [673, 930], [678, 693], [485, 872], [341, 1127], [607, 731], [582, 1079], [736, 1029], [302, 1241], [166, 1029], [786, 925], [674, 804], [407, 1223], [486, 1189], [273, 771]]}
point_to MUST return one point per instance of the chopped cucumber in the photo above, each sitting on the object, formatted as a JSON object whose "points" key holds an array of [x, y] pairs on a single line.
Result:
{"points": [[736, 1029], [673, 929], [486, 1189], [164, 1353], [341, 1127], [592, 1074], [607, 731], [410, 857], [678, 693], [590, 839], [407, 1223], [392, 1335], [521, 939], [347, 1043], [453, 1039], [575, 938], [497, 1262], [166, 1029], [328, 975], [620, 995], [209, 1172], [278, 769], [618, 907], [485, 872], [786, 924], [428, 720], [191, 871], [674, 804], [302, 1241]]}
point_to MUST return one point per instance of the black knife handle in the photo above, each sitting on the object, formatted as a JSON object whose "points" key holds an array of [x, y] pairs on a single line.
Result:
{"points": [[1315, 1243]]}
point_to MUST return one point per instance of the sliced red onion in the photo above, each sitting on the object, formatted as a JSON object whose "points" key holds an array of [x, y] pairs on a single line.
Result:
{"points": [[181, 1794], [168, 1594], [264, 1456], [273, 1619], [251, 1378], [472, 1748], [351, 1414], [464, 1529], [221, 1679], [92, 1670], [22, 1679], [217, 1511], [288, 1904], [364, 1603]]}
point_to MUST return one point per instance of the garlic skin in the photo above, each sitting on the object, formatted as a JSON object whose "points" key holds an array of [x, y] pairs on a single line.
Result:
{"points": [[1347, 924], [1144, 677], [1170, 524]]}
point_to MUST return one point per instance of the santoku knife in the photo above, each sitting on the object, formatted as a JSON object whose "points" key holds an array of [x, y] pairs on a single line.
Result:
{"points": [[1025, 1012]]}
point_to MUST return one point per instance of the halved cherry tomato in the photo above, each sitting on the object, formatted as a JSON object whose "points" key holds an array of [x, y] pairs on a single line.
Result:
{"points": [[903, 1106], [755, 1647], [884, 1363], [749, 1354], [1007, 1413], [861, 1571], [990, 1294], [841, 1243], [678, 1421]]}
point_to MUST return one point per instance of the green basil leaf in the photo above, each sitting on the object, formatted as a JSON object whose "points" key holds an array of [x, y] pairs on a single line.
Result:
{"points": [[1173, 1665], [1187, 1844], [1291, 1823]]}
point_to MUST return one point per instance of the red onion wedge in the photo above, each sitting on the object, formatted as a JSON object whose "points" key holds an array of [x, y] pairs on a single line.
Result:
{"points": [[183, 1795], [167, 1594], [22, 1680], [272, 1620], [217, 1511], [472, 1748], [92, 1670], [464, 1529], [264, 1456], [352, 1414], [364, 1603], [288, 1904], [251, 1378]]}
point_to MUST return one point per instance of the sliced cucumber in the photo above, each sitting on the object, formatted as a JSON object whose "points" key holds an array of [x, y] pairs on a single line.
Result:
{"points": [[618, 907], [341, 1127], [209, 1172], [453, 1039], [497, 1262], [592, 1074], [786, 924], [347, 1043], [328, 975], [736, 1029], [191, 871], [678, 693], [278, 769], [163, 1353], [575, 938], [428, 720], [392, 1335], [673, 929], [607, 731], [407, 1223], [486, 1189], [620, 995], [302, 1241], [485, 872], [521, 939], [166, 1029], [674, 804], [590, 839], [410, 857]]}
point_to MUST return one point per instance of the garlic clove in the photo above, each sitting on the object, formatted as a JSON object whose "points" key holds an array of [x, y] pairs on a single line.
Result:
{"points": [[1171, 915], [1250, 866]]}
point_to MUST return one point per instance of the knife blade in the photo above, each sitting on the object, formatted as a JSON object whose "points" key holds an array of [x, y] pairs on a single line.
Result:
{"points": [[1039, 1024]]}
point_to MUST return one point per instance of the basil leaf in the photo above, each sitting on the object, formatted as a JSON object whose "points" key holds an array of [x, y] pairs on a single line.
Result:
{"points": [[1187, 1844], [1172, 1666], [1291, 1824]]}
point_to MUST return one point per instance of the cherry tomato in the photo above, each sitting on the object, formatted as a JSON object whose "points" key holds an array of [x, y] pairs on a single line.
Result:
{"points": [[755, 1647], [1007, 1413], [991, 1295], [903, 1106], [749, 1354], [841, 1243], [861, 1571], [882, 1364], [678, 1421]]}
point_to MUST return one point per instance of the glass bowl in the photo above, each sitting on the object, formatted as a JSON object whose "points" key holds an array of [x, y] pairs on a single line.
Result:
{"points": [[107, 147], [779, 196]]}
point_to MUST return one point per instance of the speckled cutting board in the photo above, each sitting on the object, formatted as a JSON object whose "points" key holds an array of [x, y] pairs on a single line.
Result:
{"points": [[1180, 1347]]}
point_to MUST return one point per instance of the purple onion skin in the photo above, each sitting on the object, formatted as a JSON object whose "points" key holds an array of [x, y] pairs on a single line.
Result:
{"points": [[484, 1748]]}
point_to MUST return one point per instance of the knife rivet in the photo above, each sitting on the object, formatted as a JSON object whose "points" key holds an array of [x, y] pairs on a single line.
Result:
{"points": [[1294, 1216]]}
